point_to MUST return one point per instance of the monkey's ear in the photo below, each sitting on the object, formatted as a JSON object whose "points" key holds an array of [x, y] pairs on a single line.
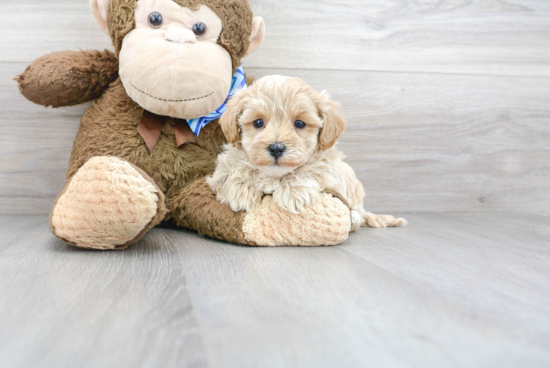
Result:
{"points": [[334, 124], [229, 122], [257, 35], [100, 9]]}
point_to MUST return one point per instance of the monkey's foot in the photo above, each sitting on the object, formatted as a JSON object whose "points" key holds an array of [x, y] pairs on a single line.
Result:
{"points": [[107, 204], [327, 222]]}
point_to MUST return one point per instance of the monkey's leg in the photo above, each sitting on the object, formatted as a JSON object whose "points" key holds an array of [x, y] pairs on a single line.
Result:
{"points": [[327, 222], [107, 204]]}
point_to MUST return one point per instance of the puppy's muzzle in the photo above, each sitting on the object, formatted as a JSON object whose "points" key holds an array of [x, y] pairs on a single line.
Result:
{"points": [[276, 150]]}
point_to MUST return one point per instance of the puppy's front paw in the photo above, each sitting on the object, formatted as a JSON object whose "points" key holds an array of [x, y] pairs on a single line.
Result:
{"points": [[241, 197], [295, 199]]}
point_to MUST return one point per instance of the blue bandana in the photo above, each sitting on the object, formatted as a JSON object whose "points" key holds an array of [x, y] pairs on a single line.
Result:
{"points": [[238, 83]]}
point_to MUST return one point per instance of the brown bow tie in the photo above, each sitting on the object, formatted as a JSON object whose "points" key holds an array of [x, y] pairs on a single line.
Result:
{"points": [[150, 126]]}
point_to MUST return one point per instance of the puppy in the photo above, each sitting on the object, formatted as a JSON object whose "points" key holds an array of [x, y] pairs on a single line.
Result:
{"points": [[281, 136]]}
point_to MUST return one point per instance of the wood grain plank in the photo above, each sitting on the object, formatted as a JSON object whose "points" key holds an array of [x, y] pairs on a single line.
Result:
{"points": [[418, 142], [33, 132], [28, 205], [19, 226], [439, 292], [32, 28], [62, 307], [454, 36], [505, 37], [450, 290], [35, 144]]}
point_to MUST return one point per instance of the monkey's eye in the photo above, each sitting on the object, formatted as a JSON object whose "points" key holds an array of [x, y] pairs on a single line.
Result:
{"points": [[199, 29], [299, 124], [155, 20], [258, 124]]}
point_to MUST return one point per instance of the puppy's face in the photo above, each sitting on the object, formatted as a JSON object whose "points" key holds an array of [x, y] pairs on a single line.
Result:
{"points": [[280, 122]]}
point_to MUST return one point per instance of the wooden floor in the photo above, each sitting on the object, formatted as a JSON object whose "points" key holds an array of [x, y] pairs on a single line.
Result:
{"points": [[448, 109], [450, 290]]}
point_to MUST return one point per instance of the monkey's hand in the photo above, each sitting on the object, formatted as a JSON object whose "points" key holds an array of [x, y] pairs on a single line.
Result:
{"points": [[68, 78]]}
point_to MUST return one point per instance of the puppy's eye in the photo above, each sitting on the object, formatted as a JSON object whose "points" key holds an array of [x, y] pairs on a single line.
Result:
{"points": [[299, 124], [156, 20], [199, 29], [258, 124]]}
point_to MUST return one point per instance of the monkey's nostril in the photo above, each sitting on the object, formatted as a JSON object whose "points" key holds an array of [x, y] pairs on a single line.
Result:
{"points": [[276, 150]]}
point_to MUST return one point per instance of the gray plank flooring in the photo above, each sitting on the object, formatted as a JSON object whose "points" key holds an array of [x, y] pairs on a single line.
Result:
{"points": [[450, 290]]}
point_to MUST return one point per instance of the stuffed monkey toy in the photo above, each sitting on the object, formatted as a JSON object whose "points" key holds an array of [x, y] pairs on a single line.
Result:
{"points": [[151, 136]]}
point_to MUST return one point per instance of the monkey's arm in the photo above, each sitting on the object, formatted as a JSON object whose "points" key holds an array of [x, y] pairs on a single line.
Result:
{"points": [[68, 78]]}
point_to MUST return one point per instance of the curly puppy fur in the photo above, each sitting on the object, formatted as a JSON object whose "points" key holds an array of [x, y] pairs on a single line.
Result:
{"points": [[248, 170]]}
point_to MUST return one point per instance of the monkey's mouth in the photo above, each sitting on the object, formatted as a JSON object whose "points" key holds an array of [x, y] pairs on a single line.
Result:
{"points": [[165, 100]]}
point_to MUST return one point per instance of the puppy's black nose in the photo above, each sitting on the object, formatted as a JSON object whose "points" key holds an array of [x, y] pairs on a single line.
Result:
{"points": [[277, 150]]}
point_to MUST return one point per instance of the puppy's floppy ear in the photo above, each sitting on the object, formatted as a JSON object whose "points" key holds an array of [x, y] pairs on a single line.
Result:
{"points": [[333, 124], [229, 120]]}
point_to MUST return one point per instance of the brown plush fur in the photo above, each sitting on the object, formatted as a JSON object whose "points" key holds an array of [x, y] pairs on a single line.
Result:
{"points": [[236, 17], [68, 78], [196, 207], [109, 126]]}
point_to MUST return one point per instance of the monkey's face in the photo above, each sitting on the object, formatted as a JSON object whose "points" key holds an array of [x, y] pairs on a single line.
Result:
{"points": [[171, 63]]}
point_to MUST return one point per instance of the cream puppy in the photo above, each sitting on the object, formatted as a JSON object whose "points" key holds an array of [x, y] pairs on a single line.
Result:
{"points": [[281, 137]]}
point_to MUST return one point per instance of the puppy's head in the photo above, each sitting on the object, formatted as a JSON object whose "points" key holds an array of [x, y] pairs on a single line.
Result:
{"points": [[280, 122]]}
